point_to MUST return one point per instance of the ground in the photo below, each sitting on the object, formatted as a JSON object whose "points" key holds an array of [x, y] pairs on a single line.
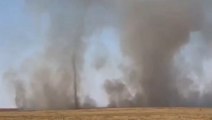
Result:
{"points": [[112, 114]]}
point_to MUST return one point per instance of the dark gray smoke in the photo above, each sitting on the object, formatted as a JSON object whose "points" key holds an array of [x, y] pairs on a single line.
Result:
{"points": [[154, 35]]}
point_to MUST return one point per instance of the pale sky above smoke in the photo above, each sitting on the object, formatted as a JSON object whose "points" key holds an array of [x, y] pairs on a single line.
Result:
{"points": [[22, 38]]}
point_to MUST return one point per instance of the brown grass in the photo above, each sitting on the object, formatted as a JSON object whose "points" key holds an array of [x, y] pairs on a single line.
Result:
{"points": [[112, 114]]}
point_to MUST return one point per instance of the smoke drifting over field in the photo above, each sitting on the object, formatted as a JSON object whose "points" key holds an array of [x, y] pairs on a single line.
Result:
{"points": [[152, 34]]}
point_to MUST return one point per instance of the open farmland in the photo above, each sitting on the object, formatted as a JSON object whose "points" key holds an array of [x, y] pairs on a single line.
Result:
{"points": [[112, 114]]}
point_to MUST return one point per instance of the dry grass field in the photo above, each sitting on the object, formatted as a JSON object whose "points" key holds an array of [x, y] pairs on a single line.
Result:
{"points": [[112, 114]]}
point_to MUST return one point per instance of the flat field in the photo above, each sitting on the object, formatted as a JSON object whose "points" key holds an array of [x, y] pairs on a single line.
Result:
{"points": [[112, 114]]}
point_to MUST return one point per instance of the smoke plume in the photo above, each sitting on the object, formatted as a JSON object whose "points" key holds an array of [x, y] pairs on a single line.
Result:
{"points": [[154, 35]]}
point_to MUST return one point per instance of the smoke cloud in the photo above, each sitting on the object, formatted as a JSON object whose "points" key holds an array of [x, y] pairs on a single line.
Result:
{"points": [[152, 34]]}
